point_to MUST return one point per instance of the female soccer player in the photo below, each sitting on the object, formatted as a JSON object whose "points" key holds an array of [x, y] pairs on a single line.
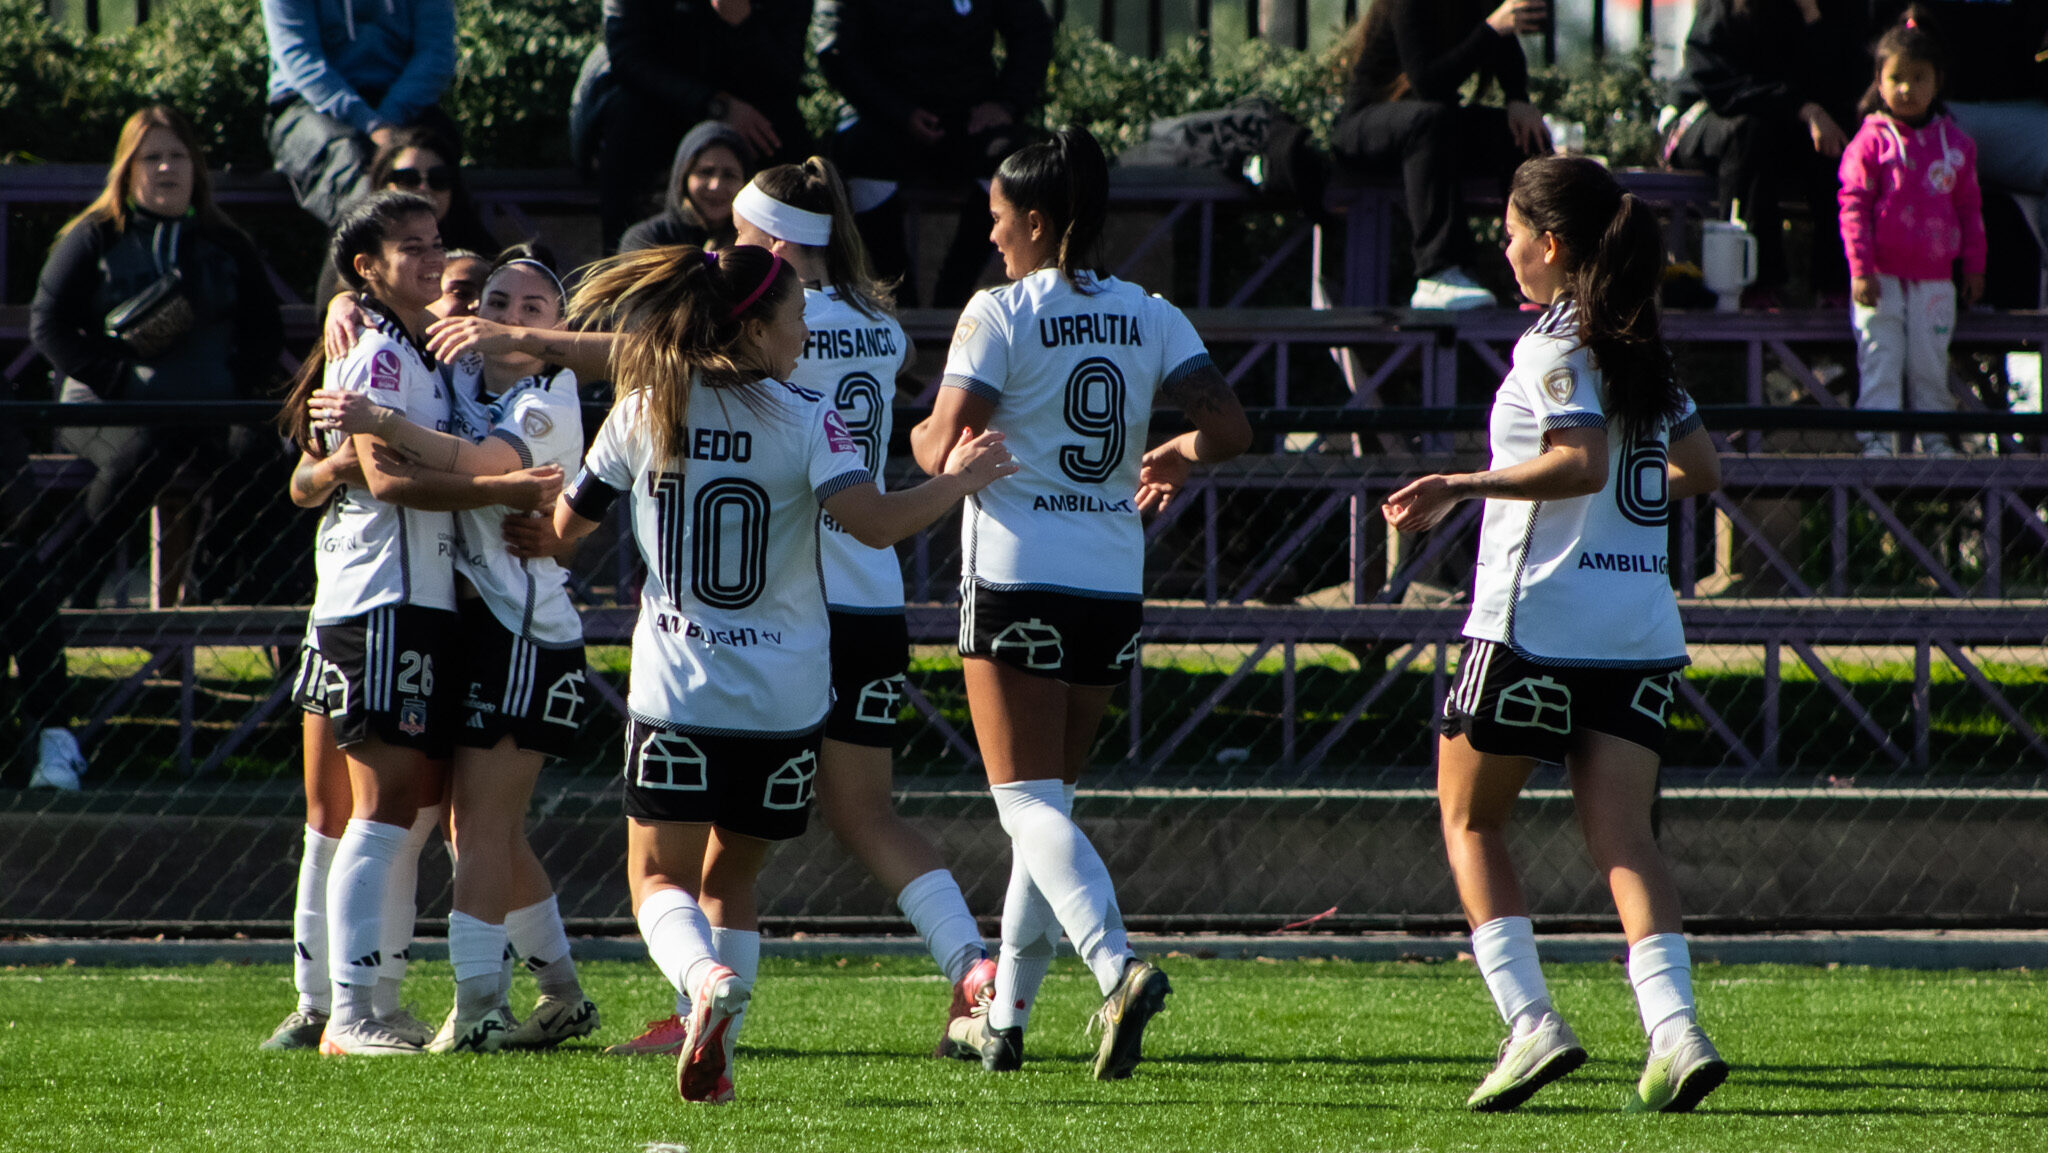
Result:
{"points": [[1065, 363], [727, 468], [521, 662], [385, 600], [1574, 638]]}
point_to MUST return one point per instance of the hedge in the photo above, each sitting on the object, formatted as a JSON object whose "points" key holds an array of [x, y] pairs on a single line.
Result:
{"points": [[63, 94]]}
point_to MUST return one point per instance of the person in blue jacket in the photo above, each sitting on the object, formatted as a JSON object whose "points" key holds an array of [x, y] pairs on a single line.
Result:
{"points": [[344, 76]]}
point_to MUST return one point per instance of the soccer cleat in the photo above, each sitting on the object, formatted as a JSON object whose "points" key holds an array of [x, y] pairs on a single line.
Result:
{"points": [[553, 1021], [1139, 993], [300, 1030], [1679, 1078], [406, 1025], [660, 1038], [59, 763], [1526, 1064], [971, 995], [971, 1038], [1453, 290], [484, 1033], [704, 1068], [367, 1037]]}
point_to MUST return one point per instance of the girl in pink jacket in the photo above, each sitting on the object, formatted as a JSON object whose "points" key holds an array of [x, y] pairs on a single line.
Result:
{"points": [[1910, 206]]}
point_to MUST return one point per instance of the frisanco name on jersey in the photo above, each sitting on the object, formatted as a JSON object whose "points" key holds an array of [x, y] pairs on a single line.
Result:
{"points": [[850, 343], [1090, 328], [1625, 562], [677, 624]]}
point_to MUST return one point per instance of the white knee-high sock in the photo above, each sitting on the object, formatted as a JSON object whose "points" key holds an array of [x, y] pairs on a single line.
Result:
{"points": [[355, 913], [935, 906], [476, 949], [536, 933], [678, 936], [1068, 870], [1031, 937], [309, 924], [1660, 967], [1505, 950], [740, 951], [401, 908]]}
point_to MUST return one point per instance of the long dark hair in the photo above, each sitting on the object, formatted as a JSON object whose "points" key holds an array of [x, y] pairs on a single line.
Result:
{"points": [[1913, 38], [814, 186], [1614, 250], [681, 314], [361, 231], [1066, 181]]}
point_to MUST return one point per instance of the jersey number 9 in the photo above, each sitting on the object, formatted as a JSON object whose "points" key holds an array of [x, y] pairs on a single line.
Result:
{"points": [[1095, 410]]}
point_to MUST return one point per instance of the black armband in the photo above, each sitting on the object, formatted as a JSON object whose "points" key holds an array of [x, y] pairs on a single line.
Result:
{"points": [[589, 497]]}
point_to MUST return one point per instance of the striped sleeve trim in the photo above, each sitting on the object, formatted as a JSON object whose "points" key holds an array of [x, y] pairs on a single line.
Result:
{"points": [[1188, 368], [842, 482], [518, 445], [973, 387], [1574, 420], [1686, 427]]}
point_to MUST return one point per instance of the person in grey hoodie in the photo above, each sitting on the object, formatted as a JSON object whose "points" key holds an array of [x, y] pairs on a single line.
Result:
{"points": [[345, 75], [712, 164]]}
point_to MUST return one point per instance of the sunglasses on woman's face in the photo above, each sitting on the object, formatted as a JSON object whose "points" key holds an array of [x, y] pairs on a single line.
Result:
{"points": [[438, 178]]}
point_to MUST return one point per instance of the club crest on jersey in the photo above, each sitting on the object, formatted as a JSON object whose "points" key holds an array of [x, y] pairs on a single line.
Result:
{"points": [[964, 331], [837, 438], [384, 370], [412, 718], [537, 424], [1560, 382]]}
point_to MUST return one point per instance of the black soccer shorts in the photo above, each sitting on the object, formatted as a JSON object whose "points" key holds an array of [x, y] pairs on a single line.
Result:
{"points": [[1512, 707], [1081, 640]]}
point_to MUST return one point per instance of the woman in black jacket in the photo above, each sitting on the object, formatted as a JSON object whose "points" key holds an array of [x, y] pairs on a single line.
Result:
{"points": [[1408, 60], [151, 294]]}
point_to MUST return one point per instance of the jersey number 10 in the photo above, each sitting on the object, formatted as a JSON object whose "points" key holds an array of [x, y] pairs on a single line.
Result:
{"points": [[728, 564]]}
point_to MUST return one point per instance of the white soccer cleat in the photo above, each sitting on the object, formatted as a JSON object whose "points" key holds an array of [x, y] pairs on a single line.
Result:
{"points": [[368, 1037], [406, 1025], [704, 1069], [59, 762], [1528, 1063], [1679, 1078], [484, 1033], [300, 1030], [553, 1021], [1451, 290]]}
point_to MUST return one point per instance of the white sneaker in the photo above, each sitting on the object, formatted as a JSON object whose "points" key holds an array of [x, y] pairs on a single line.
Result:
{"points": [[1879, 447], [1452, 290], [1679, 1078], [1937, 444], [1528, 1063], [59, 762]]}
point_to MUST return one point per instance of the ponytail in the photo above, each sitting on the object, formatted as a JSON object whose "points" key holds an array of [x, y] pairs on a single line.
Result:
{"points": [[815, 186], [1616, 252], [1066, 181], [681, 315], [1913, 37]]}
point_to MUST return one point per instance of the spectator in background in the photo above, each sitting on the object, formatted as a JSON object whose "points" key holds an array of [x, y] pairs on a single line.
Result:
{"points": [[1998, 94], [31, 635], [1408, 60], [344, 78], [710, 169], [152, 294], [676, 63], [426, 163], [1775, 82], [931, 106]]}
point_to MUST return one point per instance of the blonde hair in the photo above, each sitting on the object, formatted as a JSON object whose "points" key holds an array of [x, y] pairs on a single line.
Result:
{"points": [[113, 201], [681, 315]]}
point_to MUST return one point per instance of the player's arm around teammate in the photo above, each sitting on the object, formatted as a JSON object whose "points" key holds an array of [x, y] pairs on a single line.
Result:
{"points": [[1574, 639], [726, 468], [1066, 362]]}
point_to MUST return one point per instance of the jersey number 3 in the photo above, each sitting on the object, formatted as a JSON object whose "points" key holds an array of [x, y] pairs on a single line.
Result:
{"points": [[1095, 410]]}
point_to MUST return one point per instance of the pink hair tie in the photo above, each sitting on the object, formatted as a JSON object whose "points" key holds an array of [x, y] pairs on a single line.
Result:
{"points": [[1913, 24], [774, 268], [711, 258]]}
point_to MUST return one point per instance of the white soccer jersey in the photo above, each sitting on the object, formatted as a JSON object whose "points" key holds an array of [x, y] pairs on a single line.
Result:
{"points": [[1583, 581], [853, 359], [369, 553], [1072, 375], [732, 636], [541, 417]]}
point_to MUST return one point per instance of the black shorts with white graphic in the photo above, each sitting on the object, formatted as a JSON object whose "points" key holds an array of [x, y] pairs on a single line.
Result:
{"points": [[870, 653], [507, 685], [759, 786], [1508, 706], [1077, 639], [380, 676], [307, 691]]}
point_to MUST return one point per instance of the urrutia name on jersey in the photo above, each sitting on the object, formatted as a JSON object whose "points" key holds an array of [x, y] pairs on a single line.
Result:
{"points": [[1089, 328], [1624, 562], [841, 343]]}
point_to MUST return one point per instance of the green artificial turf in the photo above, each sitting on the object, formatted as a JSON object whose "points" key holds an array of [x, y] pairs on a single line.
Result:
{"points": [[1293, 1056]]}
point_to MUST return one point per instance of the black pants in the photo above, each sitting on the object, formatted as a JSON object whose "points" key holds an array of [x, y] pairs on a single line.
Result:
{"points": [[328, 162], [1435, 146], [1761, 161], [873, 150]]}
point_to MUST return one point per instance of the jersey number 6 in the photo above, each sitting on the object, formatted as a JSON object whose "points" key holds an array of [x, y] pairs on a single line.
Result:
{"points": [[1094, 409]]}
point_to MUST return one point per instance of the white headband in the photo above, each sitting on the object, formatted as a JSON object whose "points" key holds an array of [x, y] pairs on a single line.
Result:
{"points": [[782, 221]]}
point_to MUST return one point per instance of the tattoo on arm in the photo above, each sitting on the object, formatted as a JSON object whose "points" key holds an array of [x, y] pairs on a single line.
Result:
{"points": [[1493, 484], [1200, 393]]}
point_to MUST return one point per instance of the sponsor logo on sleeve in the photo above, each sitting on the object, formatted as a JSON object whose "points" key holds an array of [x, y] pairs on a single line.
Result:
{"points": [[384, 370], [837, 438], [1560, 383]]}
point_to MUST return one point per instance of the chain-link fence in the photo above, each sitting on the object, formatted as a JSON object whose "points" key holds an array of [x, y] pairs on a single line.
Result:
{"points": [[1858, 741]]}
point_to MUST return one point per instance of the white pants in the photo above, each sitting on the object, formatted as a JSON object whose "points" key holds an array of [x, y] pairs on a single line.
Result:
{"points": [[1902, 345]]}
